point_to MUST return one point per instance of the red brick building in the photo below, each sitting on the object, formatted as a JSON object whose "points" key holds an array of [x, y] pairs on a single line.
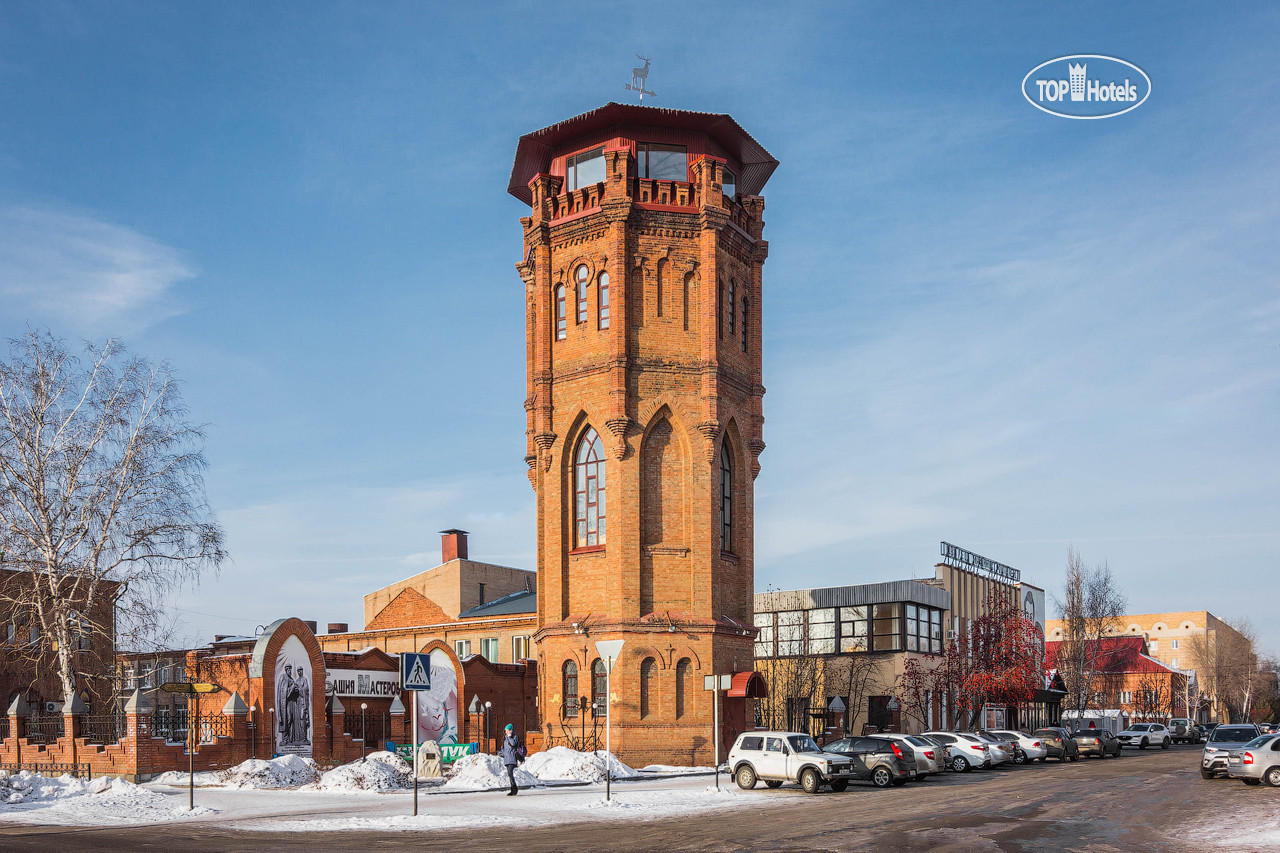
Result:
{"points": [[643, 259]]}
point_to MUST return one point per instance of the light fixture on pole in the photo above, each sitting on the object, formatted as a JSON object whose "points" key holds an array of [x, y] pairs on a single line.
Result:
{"points": [[364, 729]]}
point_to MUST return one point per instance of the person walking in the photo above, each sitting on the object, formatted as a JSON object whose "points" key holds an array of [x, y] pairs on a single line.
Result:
{"points": [[512, 755]]}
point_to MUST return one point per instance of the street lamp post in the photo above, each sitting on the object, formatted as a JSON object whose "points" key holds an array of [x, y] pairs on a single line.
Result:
{"points": [[488, 724], [364, 729]]}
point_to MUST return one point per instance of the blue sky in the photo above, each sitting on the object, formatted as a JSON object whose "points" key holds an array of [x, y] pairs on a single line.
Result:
{"points": [[982, 323]]}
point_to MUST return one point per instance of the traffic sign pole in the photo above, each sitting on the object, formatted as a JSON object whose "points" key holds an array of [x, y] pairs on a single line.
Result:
{"points": [[413, 759]]}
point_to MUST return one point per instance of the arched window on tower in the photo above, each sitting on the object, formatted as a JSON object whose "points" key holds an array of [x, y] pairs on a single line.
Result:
{"points": [[570, 679], [589, 491], [604, 300], [561, 322], [580, 277], [648, 667], [726, 498], [745, 305], [682, 686], [732, 302], [599, 687]]}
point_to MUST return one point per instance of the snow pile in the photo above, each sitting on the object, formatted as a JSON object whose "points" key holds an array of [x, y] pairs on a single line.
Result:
{"points": [[378, 771], [287, 771], [484, 773], [561, 764], [27, 787], [69, 801], [204, 778]]}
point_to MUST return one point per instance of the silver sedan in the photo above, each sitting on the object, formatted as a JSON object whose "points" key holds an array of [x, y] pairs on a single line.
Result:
{"points": [[1256, 762]]}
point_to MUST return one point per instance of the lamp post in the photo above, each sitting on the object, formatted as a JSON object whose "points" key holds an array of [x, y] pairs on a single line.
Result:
{"points": [[364, 730], [488, 724]]}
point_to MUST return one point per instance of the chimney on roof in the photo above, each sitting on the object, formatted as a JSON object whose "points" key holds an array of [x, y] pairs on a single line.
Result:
{"points": [[311, 624], [453, 545], [337, 627]]}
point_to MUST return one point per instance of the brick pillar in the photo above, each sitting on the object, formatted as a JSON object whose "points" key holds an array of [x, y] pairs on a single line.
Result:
{"points": [[71, 714], [238, 712], [137, 713], [18, 712], [398, 717], [337, 723]]}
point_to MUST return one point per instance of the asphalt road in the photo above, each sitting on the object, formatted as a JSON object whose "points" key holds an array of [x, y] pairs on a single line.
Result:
{"points": [[1140, 802]]}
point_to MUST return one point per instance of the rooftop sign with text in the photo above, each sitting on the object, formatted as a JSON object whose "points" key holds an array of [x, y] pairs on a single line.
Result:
{"points": [[1087, 86]]}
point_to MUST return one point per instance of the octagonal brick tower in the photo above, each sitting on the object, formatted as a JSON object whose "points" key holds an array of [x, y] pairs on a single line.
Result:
{"points": [[642, 272]]}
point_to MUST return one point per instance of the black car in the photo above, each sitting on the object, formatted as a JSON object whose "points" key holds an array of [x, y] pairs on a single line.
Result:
{"points": [[1099, 742], [1059, 742], [875, 760]]}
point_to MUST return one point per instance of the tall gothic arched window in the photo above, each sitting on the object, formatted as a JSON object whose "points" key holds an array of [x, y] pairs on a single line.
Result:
{"points": [[647, 668], [561, 321], [604, 300], [732, 288], [580, 276], [726, 498], [599, 687], [569, 676], [682, 686], [745, 305], [589, 491]]}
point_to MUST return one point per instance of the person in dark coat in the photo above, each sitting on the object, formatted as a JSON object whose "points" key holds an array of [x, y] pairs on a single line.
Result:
{"points": [[511, 756]]}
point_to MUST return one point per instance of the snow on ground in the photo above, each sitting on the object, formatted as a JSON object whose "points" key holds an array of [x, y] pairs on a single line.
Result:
{"points": [[484, 773], [65, 800], [378, 771], [1252, 822], [676, 769], [286, 771], [561, 764]]}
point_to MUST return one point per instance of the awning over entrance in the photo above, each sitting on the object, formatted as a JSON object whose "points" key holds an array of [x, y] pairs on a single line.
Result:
{"points": [[748, 685]]}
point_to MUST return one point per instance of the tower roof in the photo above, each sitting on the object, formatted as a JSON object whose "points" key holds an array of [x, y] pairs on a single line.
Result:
{"points": [[533, 153]]}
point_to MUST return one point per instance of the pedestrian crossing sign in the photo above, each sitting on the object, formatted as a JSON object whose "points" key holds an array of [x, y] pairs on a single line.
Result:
{"points": [[415, 671]]}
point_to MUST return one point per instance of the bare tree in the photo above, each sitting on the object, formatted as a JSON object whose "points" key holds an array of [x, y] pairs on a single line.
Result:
{"points": [[1091, 608], [1152, 699], [102, 505]]}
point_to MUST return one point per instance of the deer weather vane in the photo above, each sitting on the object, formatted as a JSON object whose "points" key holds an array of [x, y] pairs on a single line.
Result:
{"points": [[638, 78]]}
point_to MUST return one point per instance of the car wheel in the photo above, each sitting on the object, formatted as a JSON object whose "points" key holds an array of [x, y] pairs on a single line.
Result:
{"points": [[960, 764], [1020, 758], [810, 781], [1165, 744], [1252, 781], [1075, 757], [1206, 774], [746, 777], [772, 783], [839, 785], [881, 777], [1043, 759], [1143, 745], [1273, 777]]}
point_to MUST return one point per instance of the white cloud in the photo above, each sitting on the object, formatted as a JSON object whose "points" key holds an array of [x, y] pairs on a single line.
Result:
{"points": [[94, 275]]}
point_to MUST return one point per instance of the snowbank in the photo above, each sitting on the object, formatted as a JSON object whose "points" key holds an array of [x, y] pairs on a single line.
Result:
{"points": [[485, 773], [67, 800], [27, 787], [287, 771], [378, 771], [561, 764]]}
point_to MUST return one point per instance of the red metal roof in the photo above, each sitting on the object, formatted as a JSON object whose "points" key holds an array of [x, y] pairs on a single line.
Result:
{"points": [[534, 151], [1117, 655], [749, 684]]}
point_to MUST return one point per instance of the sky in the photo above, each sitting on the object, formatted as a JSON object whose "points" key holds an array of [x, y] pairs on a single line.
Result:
{"points": [[982, 323]]}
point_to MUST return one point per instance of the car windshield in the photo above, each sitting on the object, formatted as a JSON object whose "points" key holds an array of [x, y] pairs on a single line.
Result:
{"points": [[1233, 734], [841, 745], [1046, 733], [973, 738], [803, 743], [1260, 741], [915, 741], [1140, 727]]}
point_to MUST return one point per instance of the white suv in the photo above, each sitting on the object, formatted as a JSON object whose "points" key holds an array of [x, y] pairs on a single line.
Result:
{"points": [[778, 757]]}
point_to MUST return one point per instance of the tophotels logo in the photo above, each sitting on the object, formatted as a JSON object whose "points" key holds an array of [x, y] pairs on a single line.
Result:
{"points": [[1086, 85]]}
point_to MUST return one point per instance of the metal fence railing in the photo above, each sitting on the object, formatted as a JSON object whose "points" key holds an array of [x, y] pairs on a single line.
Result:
{"points": [[4, 728], [170, 724], [212, 727], [45, 728], [103, 728], [373, 728]]}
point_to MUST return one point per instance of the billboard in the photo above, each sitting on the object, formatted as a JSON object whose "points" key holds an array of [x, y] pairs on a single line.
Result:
{"points": [[293, 723], [438, 707], [1033, 604]]}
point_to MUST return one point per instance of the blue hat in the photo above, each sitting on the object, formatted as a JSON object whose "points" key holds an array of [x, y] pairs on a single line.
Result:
{"points": [[510, 728]]}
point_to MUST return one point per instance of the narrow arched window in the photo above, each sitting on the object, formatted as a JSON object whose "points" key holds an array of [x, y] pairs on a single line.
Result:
{"points": [[682, 686], [745, 305], [660, 280], [731, 301], [687, 279], [647, 668], [570, 678], [604, 300], [599, 687], [589, 490], [580, 288], [562, 328], [726, 499]]}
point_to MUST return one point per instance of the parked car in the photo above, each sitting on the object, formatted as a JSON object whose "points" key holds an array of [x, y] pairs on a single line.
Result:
{"points": [[878, 760], [928, 757], [1223, 739], [1143, 735], [1183, 730], [1003, 749], [778, 757], [1207, 729], [1030, 747], [967, 750], [1257, 761], [1058, 743], [942, 750], [1099, 742]]}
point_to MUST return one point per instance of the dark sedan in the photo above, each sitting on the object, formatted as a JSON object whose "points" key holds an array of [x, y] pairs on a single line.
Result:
{"points": [[1097, 742], [880, 762], [1059, 743]]}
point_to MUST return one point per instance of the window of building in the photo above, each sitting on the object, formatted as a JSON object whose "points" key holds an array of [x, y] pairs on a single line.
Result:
{"points": [[854, 629], [790, 632], [731, 302], [520, 648], [1154, 646], [726, 499], [589, 490], [764, 640], [489, 649], [562, 323], [1126, 697], [924, 629], [585, 169], [744, 325], [1099, 698], [664, 162], [604, 300], [822, 631], [481, 593], [886, 627], [580, 278], [599, 687], [648, 667], [1173, 644], [730, 184], [569, 676], [463, 648], [1174, 663], [682, 685]]}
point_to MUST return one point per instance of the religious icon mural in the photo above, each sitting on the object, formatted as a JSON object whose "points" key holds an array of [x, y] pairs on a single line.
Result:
{"points": [[438, 707], [293, 721]]}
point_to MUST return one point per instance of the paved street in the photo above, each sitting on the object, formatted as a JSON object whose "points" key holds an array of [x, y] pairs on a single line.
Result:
{"points": [[1145, 801]]}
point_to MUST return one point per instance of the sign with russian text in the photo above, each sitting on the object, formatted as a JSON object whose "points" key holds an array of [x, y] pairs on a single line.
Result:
{"points": [[361, 683]]}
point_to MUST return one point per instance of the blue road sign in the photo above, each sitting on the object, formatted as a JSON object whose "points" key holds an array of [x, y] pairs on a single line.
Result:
{"points": [[415, 671]]}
